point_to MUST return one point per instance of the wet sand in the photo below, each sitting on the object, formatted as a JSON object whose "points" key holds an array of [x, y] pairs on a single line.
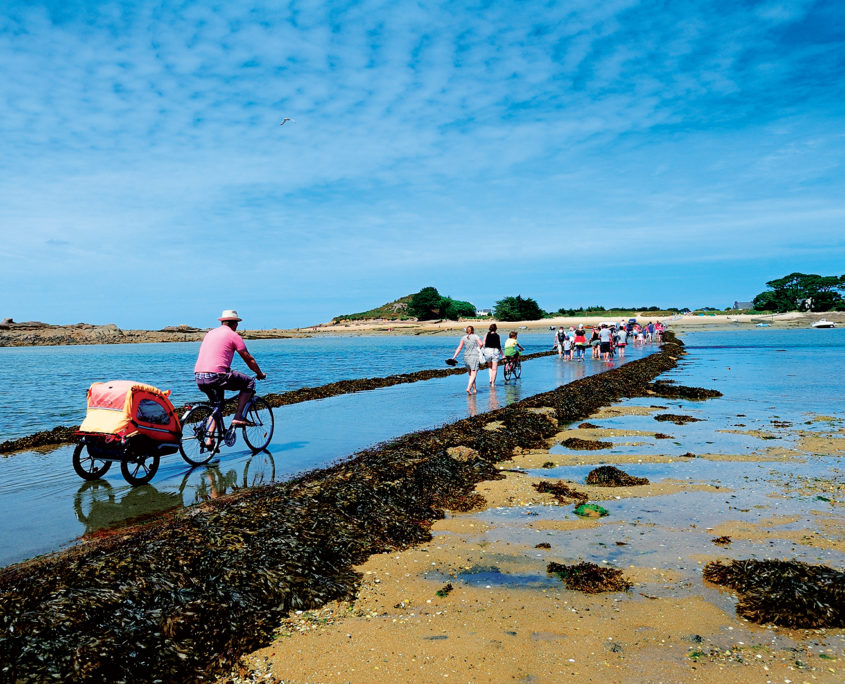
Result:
{"points": [[506, 619]]}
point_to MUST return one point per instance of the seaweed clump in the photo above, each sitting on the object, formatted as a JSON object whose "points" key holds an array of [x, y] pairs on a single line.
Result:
{"points": [[585, 444], [611, 476], [560, 491], [589, 577], [667, 390], [786, 593], [675, 418]]}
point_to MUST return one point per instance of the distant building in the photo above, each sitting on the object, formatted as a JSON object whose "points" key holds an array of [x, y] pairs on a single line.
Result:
{"points": [[484, 312], [743, 305]]}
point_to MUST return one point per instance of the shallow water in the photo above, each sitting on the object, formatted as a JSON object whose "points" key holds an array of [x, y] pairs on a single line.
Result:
{"points": [[44, 505], [41, 387], [789, 377]]}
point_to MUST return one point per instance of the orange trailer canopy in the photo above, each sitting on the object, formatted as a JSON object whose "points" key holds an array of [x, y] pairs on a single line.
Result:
{"points": [[124, 408]]}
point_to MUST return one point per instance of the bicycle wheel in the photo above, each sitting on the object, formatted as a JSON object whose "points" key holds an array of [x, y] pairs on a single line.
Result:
{"points": [[259, 428], [198, 443], [517, 369], [508, 370], [87, 466], [140, 469]]}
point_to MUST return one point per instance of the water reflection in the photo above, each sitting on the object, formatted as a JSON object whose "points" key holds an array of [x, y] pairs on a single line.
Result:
{"points": [[99, 506]]}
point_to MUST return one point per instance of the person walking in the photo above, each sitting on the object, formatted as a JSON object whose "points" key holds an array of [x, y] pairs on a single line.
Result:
{"points": [[560, 336], [492, 350], [580, 343], [621, 341], [604, 339], [471, 344]]}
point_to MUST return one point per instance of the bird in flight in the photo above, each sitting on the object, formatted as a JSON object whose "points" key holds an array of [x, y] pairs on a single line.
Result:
{"points": [[287, 118]]}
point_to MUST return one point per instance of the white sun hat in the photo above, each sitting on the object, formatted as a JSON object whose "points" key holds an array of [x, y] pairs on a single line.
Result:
{"points": [[229, 315]]}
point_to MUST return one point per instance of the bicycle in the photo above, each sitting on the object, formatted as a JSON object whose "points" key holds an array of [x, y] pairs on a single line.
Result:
{"points": [[512, 367], [203, 429]]}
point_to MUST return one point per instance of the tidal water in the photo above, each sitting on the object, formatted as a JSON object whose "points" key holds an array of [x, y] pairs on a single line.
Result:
{"points": [[45, 506], [41, 387]]}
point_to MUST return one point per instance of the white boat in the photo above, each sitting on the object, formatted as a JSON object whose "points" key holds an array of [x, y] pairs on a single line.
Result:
{"points": [[822, 323], [764, 325]]}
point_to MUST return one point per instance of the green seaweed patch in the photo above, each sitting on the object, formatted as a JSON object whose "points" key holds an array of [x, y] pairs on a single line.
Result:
{"points": [[611, 476], [548, 464], [561, 491], [786, 593], [445, 590], [585, 444], [589, 577], [590, 511]]}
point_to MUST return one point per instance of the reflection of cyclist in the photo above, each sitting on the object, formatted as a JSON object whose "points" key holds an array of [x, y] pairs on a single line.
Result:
{"points": [[213, 372]]}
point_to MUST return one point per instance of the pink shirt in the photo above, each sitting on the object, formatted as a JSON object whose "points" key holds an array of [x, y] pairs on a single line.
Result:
{"points": [[217, 349]]}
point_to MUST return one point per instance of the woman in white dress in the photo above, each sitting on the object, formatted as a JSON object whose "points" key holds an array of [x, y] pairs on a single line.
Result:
{"points": [[471, 345]]}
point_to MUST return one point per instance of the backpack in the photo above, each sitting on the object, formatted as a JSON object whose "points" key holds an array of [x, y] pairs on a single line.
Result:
{"points": [[561, 335]]}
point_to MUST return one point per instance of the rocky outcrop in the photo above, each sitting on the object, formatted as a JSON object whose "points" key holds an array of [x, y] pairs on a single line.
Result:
{"points": [[35, 333]]}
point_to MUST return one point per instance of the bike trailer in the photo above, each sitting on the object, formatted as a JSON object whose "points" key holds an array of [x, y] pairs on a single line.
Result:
{"points": [[124, 409]]}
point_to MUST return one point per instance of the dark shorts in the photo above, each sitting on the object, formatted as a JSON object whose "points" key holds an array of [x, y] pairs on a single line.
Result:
{"points": [[232, 380], [605, 347]]}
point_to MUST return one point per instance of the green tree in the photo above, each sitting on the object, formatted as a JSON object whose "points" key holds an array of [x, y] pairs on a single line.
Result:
{"points": [[517, 309], [425, 304], [428, 304], [453, 309], [819, 293]]}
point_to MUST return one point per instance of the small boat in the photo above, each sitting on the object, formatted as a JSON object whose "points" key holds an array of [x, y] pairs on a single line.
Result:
{"points": [[764, 325], [822, 323]]}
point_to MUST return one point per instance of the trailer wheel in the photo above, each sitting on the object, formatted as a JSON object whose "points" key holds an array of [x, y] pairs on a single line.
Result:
{"points": [[86, 465], [139, 470]]}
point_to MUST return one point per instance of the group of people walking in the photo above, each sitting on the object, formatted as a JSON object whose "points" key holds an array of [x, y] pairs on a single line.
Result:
{"points": [[489, 350], [604, 342]]}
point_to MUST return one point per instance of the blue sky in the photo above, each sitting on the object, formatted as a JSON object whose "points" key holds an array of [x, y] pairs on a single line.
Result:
{"points": [[620, 152]]}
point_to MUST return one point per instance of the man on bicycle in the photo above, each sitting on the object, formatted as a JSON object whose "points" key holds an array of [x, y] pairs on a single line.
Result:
{"points": [[212, 370]]}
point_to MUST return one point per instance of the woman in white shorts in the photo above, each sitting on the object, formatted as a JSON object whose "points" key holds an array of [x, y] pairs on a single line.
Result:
{"points": [[492, 351]]}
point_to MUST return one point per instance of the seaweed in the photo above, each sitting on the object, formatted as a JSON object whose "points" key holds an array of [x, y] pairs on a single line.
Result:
{"points": [[561, 491], [588, 426], [667, 390], [675, 418], [585, 444], [786, 593], [724, 540], [183, 597], [589, 577], [611, 476]]}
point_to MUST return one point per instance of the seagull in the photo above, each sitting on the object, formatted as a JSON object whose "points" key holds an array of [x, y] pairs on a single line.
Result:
{"points": [[287, 118]]}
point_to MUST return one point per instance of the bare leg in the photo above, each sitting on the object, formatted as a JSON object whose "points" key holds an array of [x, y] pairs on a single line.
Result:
{"points": [[493, 370]]}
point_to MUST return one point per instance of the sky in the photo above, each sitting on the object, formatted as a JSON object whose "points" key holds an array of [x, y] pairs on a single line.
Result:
{"points": [[581, 153]]}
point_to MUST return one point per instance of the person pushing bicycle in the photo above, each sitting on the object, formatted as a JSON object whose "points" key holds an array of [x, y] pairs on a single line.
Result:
{"points": [[213, 371]]}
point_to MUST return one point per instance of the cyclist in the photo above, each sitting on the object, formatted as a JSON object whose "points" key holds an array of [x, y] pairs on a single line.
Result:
{"points": [[512, 348], [213, 372]]}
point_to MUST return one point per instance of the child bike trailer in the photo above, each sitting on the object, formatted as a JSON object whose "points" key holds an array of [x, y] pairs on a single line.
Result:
{"points": [[129, 422]]}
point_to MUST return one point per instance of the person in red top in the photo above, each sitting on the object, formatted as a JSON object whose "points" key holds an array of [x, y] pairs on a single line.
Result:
{"points": [[213, 371]]}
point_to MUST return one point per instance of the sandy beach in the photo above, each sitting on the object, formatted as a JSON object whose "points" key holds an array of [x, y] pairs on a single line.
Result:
{"points": [[451, 610], [41, 334]]}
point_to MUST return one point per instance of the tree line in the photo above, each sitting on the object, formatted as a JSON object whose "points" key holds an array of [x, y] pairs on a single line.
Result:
{"points": [[802, 292]]}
